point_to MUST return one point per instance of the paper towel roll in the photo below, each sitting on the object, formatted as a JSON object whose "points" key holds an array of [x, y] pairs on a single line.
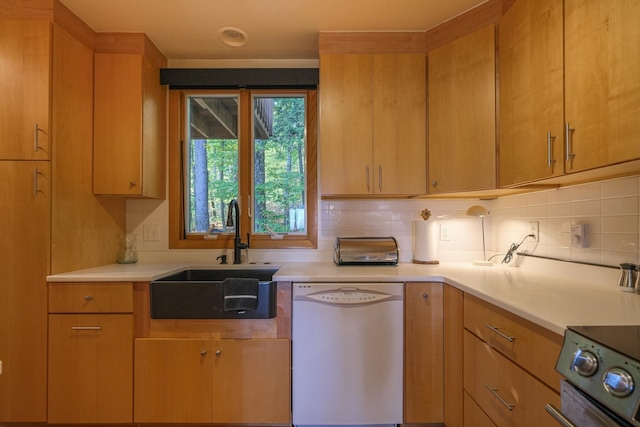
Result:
{"points": [[425, 242]]}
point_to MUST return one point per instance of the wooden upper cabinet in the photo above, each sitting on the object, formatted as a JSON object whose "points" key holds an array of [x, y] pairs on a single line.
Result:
{"points": [[129, 124], [399, 117], [372, 124], [25, 85], [346, 123], [462, 114], [531, 92], [602, 87]]}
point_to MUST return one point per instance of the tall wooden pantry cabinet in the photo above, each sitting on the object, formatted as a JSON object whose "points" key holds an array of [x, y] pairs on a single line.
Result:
{"points": [[49, 217]]}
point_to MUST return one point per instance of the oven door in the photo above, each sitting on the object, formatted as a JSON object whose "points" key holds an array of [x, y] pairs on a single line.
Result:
{"points": [[579, 410]]}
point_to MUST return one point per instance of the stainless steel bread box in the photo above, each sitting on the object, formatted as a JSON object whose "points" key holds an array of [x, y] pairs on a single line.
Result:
{"points": [[366, 251]]}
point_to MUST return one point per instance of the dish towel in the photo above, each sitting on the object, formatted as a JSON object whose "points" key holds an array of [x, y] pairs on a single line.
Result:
{"points": [[240, 294]]}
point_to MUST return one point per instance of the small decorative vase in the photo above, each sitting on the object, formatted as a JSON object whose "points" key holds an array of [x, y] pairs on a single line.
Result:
{"points": [[127, 252]]}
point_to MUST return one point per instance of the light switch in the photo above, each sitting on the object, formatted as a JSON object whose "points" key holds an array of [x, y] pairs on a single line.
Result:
{"points": [[150, 233]]}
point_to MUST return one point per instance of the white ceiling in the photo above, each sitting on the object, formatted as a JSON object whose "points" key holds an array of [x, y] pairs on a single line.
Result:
{"points": [[276, 29]]}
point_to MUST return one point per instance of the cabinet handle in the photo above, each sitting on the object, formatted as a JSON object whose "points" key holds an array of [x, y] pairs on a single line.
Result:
{"points": [[494, 391], [36, 174], [86, 328], [380, 177], [550, 139], [36, 133], [203, 353], [218, 352], [499, 332], [368, 187], [567, 140], [558, 416], [88, 297]]}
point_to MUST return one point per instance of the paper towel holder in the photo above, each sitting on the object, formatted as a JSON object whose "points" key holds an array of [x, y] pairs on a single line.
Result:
{"points": [[429, 240]]}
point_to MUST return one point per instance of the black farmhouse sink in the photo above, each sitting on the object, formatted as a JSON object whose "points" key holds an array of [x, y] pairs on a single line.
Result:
{"points": [[199, 294]]}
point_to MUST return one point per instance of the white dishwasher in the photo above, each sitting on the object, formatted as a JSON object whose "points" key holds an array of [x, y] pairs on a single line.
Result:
{"points": [[347, 353]]}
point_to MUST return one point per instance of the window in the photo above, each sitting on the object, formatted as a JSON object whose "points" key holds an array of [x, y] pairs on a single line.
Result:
{"points": [[257, 147]]}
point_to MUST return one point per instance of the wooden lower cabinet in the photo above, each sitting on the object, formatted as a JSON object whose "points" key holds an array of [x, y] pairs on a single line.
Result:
{"points": [[423, 359], [90, 368], [508, 394], [182, 380]]}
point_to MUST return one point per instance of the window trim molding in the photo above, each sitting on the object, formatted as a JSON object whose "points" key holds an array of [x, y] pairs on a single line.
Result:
{"points": [[176, 133]]}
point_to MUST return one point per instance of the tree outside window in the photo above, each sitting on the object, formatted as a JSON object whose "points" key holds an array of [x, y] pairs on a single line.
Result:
{"points": [[275, 176]]}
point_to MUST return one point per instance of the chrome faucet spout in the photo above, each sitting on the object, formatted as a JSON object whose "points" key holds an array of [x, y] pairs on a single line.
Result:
{"points": [[233, 217]]}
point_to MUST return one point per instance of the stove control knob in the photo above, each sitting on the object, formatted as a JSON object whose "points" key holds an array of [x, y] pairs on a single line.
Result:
{"points": [[618, 382], [584, 363]]}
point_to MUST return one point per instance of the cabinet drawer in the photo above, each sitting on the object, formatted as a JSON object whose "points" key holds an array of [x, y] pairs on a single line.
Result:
{"points": [[527, 344], [504, 391], [91, 297], [473, 414]]}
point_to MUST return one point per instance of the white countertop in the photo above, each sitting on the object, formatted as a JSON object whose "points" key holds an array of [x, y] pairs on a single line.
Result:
{"points": [[550, 300]]}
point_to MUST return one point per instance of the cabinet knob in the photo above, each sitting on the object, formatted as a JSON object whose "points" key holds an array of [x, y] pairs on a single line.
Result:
{"points": [[218, 352], [425, 295], [434, 183], [203, 353], [132, 184], [88, 297]]}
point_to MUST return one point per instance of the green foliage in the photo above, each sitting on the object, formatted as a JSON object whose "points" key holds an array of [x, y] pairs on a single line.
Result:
{"points": [[279, 172]]}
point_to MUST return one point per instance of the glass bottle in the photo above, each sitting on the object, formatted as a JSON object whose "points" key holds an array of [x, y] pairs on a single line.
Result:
{"points": [[127, 252]]}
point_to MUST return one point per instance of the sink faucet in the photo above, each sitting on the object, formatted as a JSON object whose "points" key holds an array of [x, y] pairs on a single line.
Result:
{"points": [[237, 242]]}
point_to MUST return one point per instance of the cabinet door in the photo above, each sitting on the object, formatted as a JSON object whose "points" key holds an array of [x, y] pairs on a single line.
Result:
{"points": [[531, 93], [462, 114], [252, 381], [346, 124], [24, 262], [172, 381], [453, 362], [25, 49], [90, 368], [602, 65], [399, 124], [118, 124], [423, 353]]}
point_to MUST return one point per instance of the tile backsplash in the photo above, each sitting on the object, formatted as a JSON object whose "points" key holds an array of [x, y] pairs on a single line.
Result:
{"points": [[610, 209]]}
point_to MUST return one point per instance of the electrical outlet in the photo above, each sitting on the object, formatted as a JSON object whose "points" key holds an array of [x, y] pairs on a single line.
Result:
{"points": [[444, 233], [534, 230]]}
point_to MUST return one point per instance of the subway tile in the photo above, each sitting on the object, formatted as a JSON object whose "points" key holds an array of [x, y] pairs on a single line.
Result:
{"points": [[585, 208], [621, 224], [620, 206], [620, 242], [620, 187], [585, 192], [559, 195], [555, 210], [591, 256]]}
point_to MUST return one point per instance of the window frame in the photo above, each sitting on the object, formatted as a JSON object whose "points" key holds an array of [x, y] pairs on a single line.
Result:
{"points": [[177, 138]]}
